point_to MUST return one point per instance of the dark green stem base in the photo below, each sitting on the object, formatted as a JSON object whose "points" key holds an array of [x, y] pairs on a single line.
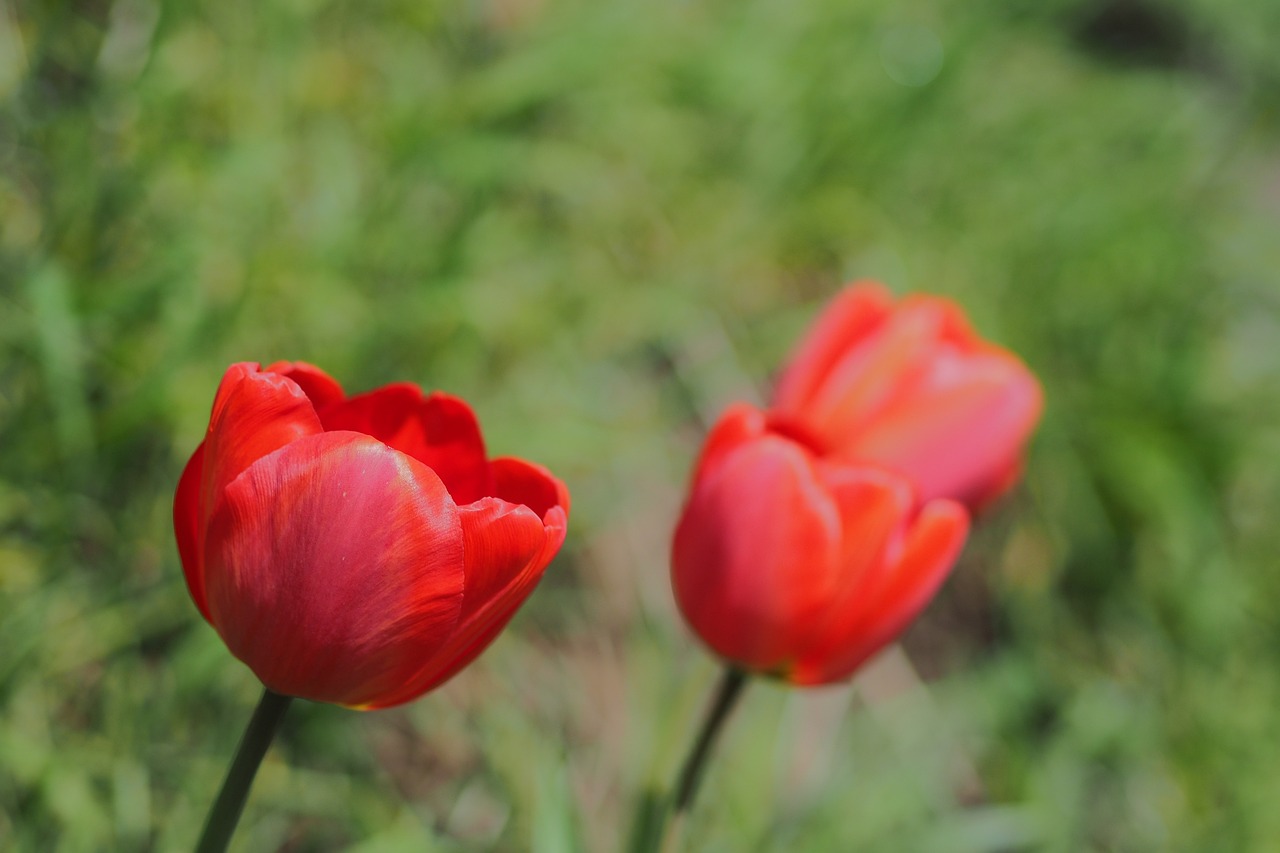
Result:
{"points": [[727, 694], [225, 814]]}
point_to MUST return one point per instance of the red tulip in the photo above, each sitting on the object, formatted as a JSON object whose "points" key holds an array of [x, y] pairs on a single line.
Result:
{"points": [[357, 550], [799, 566], [911, 387]]}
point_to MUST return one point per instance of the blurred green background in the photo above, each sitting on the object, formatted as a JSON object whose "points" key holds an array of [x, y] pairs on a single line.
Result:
{"points": [[600, 221]]}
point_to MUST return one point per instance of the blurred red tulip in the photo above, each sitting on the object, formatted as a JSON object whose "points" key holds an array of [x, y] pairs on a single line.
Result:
{"points": [[799, 566], [357, 550], [911, 387]]}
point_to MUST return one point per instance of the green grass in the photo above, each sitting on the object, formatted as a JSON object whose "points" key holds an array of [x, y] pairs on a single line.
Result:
{"points": [[600, 222]]}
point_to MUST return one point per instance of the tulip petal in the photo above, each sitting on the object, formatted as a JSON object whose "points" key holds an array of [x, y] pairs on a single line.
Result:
{"points": [[334, 566], [927, 557], [874, 507], [519, 482], [321, 388], [756, 554], [438, 430], [739, 424], [854, 313], [254, 414], [507, 550], [188, 528], [873, 371], [956, 430]]}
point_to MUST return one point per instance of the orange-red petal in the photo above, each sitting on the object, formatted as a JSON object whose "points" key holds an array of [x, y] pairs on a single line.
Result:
{"points": [[334, 567], [872, 621], [874, 508], [756, 554]]}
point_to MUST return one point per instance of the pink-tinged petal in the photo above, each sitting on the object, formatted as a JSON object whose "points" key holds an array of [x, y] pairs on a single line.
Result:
{"points": [[438, 430], [959, 429], [872, 372], [321, 388], [334, 567], [254, 414], [915, 576], [188, 528], [507, 550], [854, 314], [756, 553], [519, 482]]}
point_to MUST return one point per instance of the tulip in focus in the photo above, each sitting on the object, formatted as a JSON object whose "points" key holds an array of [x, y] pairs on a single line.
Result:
{"points": [[910, 387], [799, 566], [357, 550]]}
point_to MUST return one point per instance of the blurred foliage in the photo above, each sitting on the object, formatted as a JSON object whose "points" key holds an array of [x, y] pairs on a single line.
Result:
{"points": [[600, 222]]}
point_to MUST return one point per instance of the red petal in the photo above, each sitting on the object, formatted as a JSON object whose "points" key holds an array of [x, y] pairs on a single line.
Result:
{"points": [[852, 315], [334, 567], [321, 388], [187, 527], [913, 579], [438, 430], [507, 551], [958, 430], [519, 482], [874, 507], [739, 424], [253, 414], [757, 553]]}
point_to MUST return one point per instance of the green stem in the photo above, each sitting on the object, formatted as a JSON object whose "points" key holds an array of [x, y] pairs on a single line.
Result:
{"points": [[225, 814], [727, 693]]}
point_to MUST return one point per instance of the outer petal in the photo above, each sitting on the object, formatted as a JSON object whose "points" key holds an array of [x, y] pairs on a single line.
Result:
{"points": [[756, 553], [321, 388], [334, 567], [254, 414], [852, 315], [740, 424], [957, 431], [914, 578], [438, 430], [188, 527], [507, 550]]}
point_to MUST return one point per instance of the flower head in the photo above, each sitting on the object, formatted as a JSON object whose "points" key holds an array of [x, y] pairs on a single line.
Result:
{"points": [[357, 550], [909, 386], [802, 567]]}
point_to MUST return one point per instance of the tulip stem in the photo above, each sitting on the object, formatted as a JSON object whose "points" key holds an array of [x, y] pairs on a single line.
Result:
{"points": [[225, 814], [732, 681]]}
